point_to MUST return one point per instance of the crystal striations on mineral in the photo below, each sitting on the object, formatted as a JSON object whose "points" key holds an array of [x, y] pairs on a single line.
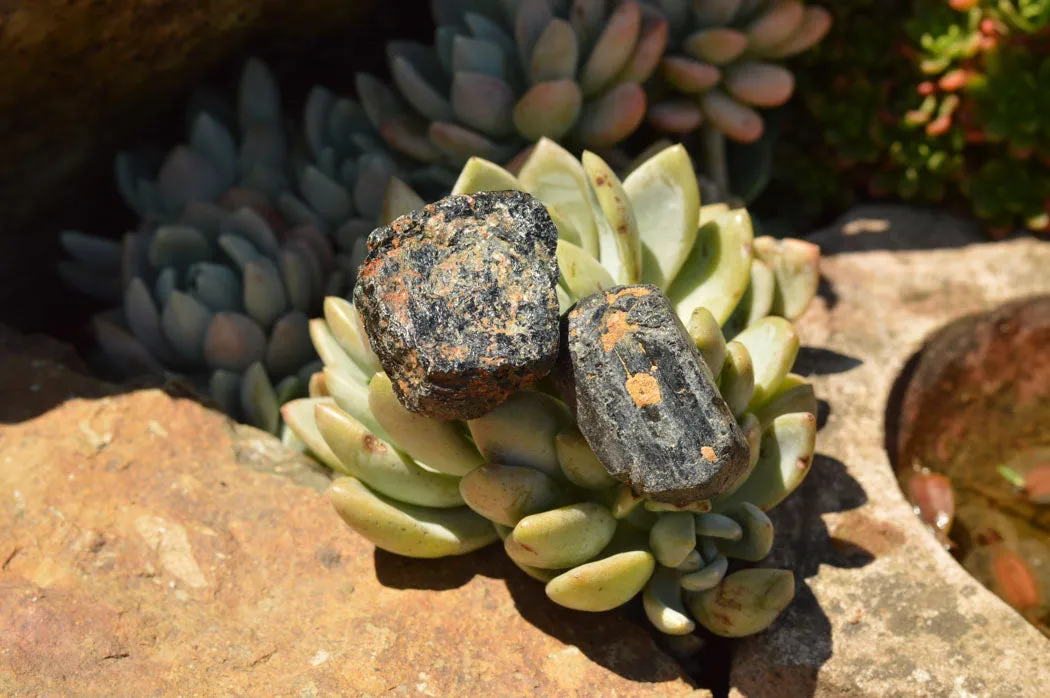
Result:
{"points": [[458, 301], [646, 402]]}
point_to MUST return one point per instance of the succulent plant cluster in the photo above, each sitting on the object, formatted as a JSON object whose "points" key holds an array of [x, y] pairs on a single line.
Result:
{"points": [[525, 474], [957, 115], [218, 281]]}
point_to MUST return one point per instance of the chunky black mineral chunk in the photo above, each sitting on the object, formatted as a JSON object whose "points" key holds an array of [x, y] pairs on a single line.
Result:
{"points": [[645, 401], [458, 301]]}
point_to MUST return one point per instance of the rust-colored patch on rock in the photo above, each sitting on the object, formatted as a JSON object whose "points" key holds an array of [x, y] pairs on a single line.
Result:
{"points": [[644, 390], [709, 454], [616, 328]]}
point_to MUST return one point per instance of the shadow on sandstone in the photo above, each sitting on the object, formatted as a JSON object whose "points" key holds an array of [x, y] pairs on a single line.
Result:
{"points": [[599, 636], [804, 544]]}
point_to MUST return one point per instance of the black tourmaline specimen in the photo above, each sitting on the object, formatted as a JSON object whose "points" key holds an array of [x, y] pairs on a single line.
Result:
{"points": [[458, 301], [646, 402]]}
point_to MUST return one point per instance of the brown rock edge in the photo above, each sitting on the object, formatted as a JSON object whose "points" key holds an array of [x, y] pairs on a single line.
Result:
{"points": [[881, 609], [149, 546]]}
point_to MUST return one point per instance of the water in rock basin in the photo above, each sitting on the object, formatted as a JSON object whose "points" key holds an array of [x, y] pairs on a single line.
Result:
{"points": [[973, 448]]}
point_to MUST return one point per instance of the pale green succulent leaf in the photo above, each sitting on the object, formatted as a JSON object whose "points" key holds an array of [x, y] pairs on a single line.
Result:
{"points": [[406, 529], [563, 537], [705, 331], [333, 355], [379, 465], [618, 239], [707, 576], [795, 394], [481, 175], [521, 431], [737, 380], [578, 462], [718, 269], [796, 265], [663, 604], [259, 401], [505, 494], [604, 584], [745, 603], [784, 461], [437, 444], [555, 54], [344, 322], [773, 344], [298, 415], [556, 178], [673, 537], [352, 397], [757, 302], [581, 274], [666, 200]]}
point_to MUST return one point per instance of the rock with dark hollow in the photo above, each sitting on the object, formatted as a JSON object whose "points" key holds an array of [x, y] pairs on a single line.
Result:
{"points": [[646, 402], [458, 301]]}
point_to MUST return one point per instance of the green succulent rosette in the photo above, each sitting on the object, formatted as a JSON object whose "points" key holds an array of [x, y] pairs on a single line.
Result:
{"points": [[504, 73], [218, 281], [524, 474], [724, 59]]}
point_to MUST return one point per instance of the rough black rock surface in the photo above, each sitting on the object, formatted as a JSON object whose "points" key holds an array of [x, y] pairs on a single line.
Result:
{"points": [[645, 401], [458, 301]]}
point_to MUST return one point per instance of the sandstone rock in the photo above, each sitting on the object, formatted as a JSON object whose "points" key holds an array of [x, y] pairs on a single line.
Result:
{"points": [[458, 301], [149, 546], [882, 609], [645, 400]]}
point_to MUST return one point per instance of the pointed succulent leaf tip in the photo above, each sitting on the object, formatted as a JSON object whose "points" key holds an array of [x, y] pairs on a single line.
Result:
{"points": [[253, 227], [333, 355], [406, 529], [773, 345], [719, 45], [673, 537], [548, 109], [757, 302], [796, 265], [398, 201], [233, 342], [663, 604], [264, 296], [225, 388], [680, 116], [472, 55], [380, 102], [376, 171], [737, 380], [460, 144], [441, 445], [417, 91], [760, 84], [775, 26], [177, 246], [298, 415], [795, 394], [717, 271], [666, 200], [612, 117], [506, 494], [215, 285], [604, 584], [689, 76], [581, 274], [578, 462], [352, 397], [745, 603], [613, 48], [522, 431], [96, 252], [556, 178], [481, 175], [708, 575], [259, 98], [345, 324], [563, 537], [531, 20], [326, 197], [704, 330], [619, 242], [379, 465], [317, 387], [185, 321], [785, 458], [556, 53], [816, 22], [143, 318], [259, 402]]}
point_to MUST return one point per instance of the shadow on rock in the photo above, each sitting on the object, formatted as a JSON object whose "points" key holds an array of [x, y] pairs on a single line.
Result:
{"points": [[605, 638], [803, 545]]}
